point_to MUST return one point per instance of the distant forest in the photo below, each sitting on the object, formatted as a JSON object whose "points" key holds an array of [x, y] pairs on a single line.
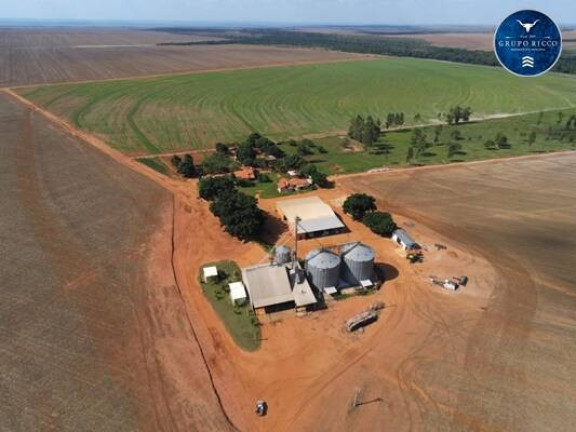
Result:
{"points": [[363, 44]]}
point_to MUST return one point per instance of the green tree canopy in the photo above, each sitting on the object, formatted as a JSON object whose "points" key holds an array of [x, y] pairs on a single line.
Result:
{"points": [[380, 223], [358, 204], [216, 163], [210, 188], [186, 167], [239, 214]]}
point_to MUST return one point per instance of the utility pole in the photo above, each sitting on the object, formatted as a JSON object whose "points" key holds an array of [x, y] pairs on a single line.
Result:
{"points": [[296, 221]]}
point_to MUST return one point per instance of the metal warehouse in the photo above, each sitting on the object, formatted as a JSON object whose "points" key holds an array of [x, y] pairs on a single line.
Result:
{"points": [[315, 217], [277, 287]]}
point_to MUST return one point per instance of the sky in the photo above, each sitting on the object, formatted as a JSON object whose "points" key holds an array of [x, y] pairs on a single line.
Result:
{"points": [[399, 12]]}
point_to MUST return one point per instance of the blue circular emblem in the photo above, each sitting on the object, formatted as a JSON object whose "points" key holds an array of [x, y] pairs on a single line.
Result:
{"points": [[528, 43]]}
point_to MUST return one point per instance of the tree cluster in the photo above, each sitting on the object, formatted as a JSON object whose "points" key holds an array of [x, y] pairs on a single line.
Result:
{"points": [[394, 119], [239, 214], [362, 207], [358, 204], [371, 42], [458, 114], [185, 167], [498, 143], [366, 130], [380, 223]]}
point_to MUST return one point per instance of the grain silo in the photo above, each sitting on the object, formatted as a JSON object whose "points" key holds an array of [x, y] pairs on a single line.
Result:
{"points": [[358, 262], [282, 255], [323, 268]]}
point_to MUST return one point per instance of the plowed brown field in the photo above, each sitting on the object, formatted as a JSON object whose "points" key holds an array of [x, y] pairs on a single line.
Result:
{"points": [[516, 366], [93, 330], [34, 56]]}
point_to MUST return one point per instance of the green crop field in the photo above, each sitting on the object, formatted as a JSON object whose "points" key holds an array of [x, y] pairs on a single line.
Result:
{"points": [[191, 111]]}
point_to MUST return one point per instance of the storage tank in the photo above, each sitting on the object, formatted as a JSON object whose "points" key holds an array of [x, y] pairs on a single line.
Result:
{"points": [[358, 262], [282, 255], [323, 268]]}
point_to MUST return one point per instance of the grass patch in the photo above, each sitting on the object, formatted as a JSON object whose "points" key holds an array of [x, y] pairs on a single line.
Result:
{"points": [[264, 189], [156, 164], [240, 321]]}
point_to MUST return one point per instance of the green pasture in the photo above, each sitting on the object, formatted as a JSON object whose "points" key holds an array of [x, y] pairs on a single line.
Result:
{"points": [[392, 147], [153, 115]]}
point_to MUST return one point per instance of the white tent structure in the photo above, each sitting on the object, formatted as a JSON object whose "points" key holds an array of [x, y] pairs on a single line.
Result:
{"points": [[237, 293]]}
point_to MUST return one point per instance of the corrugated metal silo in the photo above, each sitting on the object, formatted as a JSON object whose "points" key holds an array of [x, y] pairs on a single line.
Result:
{"points": [[358, 262], [282, 255], [323, 268]]}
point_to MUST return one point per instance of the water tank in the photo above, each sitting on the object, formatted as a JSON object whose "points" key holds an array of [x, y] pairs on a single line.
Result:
{"points": [[323, 268], [358, 262], [282, 255]]}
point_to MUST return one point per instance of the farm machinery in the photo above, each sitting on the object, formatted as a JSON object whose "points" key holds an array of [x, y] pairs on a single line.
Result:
{"points": [[450, 284], [364, 318]]}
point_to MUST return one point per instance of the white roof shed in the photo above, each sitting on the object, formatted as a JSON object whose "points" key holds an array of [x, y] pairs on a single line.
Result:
{"points": [[237, 292], [209, 272]]}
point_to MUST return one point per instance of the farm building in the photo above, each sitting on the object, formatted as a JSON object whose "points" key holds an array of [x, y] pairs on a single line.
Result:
{"points": [[237, 293], [403, 239], [293, 184], [246, 173], [316, 218], [274, 288], [209, 272]]}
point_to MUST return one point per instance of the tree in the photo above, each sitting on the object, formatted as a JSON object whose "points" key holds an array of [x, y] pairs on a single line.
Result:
{"points": [[417, 118], [410, 155], [560, 117], [216, 163], [303, 150], [540, 118], [531, 138], [252, 138], [366, 131], [186, 167], [457, 114], [501, 141], [238, 213], [176, 161], [245, 154], [222, 148], [318, 177], [453, 148], [380, 223], [291, 162], [358, 204], [456, 134], [356, 128], [490, 145], [210, 188], [418, 143], [437, 133]]}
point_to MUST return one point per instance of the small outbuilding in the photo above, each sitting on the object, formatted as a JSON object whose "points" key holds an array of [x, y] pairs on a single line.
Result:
{"points": [[403, 239], [208, 273], [238, 293], [286, 185]]}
